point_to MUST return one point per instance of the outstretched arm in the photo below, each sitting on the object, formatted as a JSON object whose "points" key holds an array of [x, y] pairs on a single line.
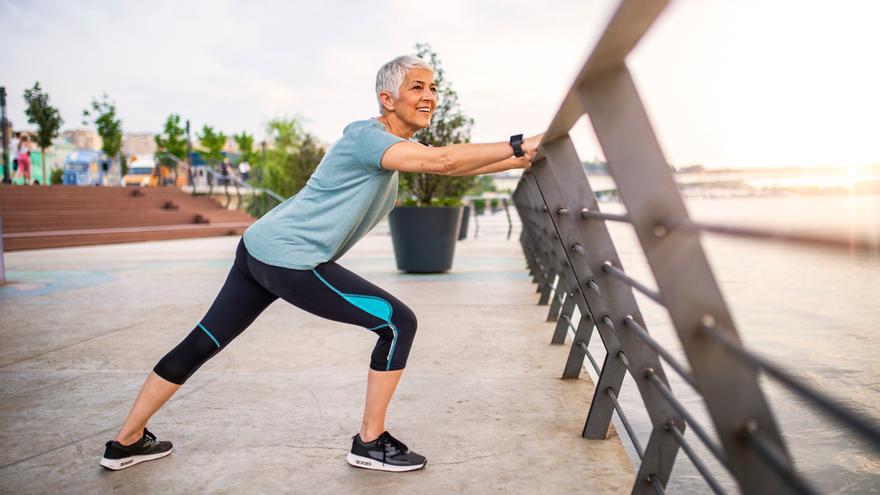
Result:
{"points": [[500, 166], [455, 159]]}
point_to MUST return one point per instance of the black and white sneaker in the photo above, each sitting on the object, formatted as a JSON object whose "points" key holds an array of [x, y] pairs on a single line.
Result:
{"points": [[118, 456], [385, 453]]}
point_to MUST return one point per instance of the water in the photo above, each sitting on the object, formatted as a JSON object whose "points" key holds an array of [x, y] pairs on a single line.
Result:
{"points": [[816, 312]]}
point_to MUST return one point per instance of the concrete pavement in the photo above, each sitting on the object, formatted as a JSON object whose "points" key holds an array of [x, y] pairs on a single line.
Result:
{"points": [[274, 412]]}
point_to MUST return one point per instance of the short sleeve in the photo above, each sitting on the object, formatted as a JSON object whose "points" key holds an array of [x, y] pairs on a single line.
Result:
{"points": [[372, 143]]}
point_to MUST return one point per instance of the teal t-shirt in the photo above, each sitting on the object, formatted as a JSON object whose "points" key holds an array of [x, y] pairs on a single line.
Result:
{"points": [[346, 196]]}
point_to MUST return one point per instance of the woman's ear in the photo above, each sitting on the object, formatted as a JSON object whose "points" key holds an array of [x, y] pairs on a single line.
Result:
{"points": [[387, 100]]}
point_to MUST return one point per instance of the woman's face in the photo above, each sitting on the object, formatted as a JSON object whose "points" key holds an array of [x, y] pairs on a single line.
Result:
{"points": [[417, 98]]}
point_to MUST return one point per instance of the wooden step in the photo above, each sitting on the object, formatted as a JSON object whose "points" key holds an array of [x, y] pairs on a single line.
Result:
{"points": [[57, 216], [17, 241]]}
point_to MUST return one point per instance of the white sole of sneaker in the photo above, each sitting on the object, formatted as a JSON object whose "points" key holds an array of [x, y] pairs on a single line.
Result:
{"points": [[367, 463], [126, 462]]}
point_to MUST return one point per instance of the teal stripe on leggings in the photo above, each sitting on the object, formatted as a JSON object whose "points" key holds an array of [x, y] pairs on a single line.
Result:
{"points": [[209, 335], [357, 300]]}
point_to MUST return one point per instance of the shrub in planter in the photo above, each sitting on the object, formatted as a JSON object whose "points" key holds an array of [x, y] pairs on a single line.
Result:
{"points": [[494, 204], [479, 206], [430, 212], [55, 177]]}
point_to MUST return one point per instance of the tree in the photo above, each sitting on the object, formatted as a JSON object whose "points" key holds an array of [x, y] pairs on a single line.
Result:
{"points": [[109, 127], [46, 117], [448, 126], [213, 143], [245, 144], [290, 162], [173, 137]]}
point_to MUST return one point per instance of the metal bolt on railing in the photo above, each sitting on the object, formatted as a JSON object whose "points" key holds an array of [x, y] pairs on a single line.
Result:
{"points": [[562, 211], [659, 230], [578, 248]]}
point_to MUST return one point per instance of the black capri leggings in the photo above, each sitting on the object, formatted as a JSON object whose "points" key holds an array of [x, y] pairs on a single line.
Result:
{"points": [[328, 290]]}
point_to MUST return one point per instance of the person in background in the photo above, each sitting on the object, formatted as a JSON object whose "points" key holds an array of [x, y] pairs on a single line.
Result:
{"points": [[13, 150], [24, 158], [244, 168]]}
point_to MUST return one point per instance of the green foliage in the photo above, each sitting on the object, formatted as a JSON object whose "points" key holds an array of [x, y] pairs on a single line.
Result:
{"points": [[483, 183], [212, 143], [56, 176], [479, 206], [43, 115], [292, 159], [173, 137], [245, 144], [448, 126], [109, 126]]}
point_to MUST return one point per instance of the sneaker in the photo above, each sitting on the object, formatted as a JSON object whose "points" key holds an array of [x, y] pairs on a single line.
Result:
{"points": [[118, 456], [385, 453]]}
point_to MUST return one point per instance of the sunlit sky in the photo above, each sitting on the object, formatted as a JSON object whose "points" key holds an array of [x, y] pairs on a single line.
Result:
{"points": [[727, 84]]}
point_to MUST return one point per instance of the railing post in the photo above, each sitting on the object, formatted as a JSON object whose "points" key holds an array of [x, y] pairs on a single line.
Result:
{"points": [[564, 317], [676, 258], [563, 184], [577, 354]]}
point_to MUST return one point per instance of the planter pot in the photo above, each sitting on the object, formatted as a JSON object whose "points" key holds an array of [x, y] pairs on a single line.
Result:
{"points": [[424, 238], [465, 216]]}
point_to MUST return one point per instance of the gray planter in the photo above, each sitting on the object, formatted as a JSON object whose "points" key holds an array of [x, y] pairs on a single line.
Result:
{"points": [[424, 238]]}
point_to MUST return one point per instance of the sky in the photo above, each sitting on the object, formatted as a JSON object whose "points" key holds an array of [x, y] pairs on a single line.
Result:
{"points": [[749, 83]]}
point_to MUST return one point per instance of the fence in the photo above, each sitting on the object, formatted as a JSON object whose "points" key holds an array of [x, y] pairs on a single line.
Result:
{"points": [[573, 260]]}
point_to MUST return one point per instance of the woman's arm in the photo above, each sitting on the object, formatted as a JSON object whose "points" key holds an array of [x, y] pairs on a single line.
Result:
{"points": [[500, 166], [455, 159]]}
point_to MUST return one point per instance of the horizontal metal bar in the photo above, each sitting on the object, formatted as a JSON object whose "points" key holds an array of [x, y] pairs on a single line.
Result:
{"points": [[583, 346], [680, 409], [598, 215], [777, 461], [867, 427], [860, 244], [655, 483], [590, 357], [609, 268], [653, 344], [626, 27], [629, 430], [695, 459]]}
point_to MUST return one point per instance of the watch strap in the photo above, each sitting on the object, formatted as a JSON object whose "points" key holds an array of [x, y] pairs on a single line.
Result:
{"points": [[516, 143]]}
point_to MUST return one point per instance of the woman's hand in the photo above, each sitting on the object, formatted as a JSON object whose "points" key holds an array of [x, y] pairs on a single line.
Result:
{"points": [[530, 148], [530, 145]]}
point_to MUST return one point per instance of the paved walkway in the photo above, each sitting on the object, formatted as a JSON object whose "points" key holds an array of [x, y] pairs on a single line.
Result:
{"points": [[274, 412]]}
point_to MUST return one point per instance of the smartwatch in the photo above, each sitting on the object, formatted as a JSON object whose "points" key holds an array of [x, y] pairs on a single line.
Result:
{"points": [[516, 143]]}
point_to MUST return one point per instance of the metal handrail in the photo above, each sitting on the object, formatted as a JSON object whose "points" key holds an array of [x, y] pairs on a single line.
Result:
{"points": [[229, 179], [573, 261]]}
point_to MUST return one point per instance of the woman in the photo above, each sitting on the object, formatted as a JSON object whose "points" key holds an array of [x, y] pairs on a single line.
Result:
{"points": [[24, 159], [291, 253]]}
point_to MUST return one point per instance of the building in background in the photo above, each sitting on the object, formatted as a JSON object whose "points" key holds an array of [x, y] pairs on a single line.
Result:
{"points": [[138, 143], [83, 138]]}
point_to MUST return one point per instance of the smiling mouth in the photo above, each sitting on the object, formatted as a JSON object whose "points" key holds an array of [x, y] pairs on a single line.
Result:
{"points": [[424, 110]]}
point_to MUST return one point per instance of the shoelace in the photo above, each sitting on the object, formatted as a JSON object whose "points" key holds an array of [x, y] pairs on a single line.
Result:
{"points": [[385, 441], [149, 435]]}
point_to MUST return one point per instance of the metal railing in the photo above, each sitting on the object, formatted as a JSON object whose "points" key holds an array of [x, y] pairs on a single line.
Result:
{"points": [[261, 199], [572, 258], [485, 201]]}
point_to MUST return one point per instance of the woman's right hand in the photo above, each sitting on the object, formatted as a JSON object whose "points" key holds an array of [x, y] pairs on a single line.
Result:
{"points": [[530, 145]]}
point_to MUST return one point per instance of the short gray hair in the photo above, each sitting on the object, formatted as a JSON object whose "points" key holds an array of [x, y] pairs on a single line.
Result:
{"points": [[391, 75]]}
